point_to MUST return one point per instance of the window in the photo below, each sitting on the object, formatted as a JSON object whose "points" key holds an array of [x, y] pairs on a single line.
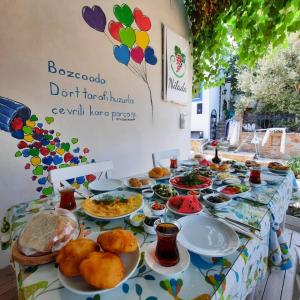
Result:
{"points": [[199, 108]]}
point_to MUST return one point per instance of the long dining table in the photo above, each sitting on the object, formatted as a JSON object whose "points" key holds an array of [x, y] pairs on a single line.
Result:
{"points": [[230, 277]]}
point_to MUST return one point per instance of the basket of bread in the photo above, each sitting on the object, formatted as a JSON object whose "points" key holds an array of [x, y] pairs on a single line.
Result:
{"points": [[99, 262], [44, 235]]}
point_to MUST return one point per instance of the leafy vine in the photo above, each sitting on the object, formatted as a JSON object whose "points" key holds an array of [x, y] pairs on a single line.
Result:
{"points": [[247, 28]]}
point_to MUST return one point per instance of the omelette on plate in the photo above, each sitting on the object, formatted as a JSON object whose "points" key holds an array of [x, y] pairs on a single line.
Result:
{"points": [[110, 206]]}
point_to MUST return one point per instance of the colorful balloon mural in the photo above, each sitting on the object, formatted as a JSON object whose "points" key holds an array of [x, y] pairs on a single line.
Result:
{"points": [[43, 148], [130, 30]]}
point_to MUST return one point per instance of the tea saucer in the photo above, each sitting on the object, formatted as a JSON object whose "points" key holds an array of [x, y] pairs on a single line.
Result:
{"points": [[152, 262], [78, 205], [263, 182]]}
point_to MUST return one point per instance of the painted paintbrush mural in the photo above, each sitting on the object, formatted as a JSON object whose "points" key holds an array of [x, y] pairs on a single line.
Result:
{"points": [[130, 31], [41, 145]]}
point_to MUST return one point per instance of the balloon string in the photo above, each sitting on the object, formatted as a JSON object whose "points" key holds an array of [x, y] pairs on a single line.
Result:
{"points": [[138, 71], [132, 67], [143, 71], [135, 72], [107, 36], [145, 68]]}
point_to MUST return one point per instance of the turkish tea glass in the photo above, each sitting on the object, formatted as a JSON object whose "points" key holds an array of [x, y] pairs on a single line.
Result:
{"points": [[166, 250], [67, 199]]}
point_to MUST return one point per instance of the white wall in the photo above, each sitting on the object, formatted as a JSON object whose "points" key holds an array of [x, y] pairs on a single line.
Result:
{"points": [[33, 32], [201, 122]]}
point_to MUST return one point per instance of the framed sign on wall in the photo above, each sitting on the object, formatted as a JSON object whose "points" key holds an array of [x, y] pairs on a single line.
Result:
{"points": [[175, 67]]}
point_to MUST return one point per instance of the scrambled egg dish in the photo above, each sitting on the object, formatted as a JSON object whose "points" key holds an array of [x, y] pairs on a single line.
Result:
{"points": [[109, 206]]}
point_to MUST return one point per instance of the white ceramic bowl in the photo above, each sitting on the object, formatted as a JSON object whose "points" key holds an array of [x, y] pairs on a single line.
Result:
{"points": [[150, 229], [147, 193], [136, 223], [217, 205], [159, 212]]}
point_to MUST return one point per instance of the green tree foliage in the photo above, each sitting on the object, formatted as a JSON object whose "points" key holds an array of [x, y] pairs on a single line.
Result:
{"points": [[274, 84], [247, 27]]}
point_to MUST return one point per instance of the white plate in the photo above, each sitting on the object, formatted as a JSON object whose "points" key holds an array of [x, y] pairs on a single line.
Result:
{"points": [[173, 210], [216, 205], [152, 262], [162, 178], [271, 179], [230, 181], [79, 286], [151, 183], [224, 186], [125, 194], [105, 185], [212, 237], [78, 205], [281, 172], [189, 163]]}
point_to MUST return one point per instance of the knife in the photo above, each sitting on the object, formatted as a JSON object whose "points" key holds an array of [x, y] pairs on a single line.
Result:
{"points": [[251, 227], [236, 227]]}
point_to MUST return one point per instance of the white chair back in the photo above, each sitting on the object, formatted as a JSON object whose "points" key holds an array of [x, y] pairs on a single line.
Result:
{"points": [[58, 176], [159, 156]]}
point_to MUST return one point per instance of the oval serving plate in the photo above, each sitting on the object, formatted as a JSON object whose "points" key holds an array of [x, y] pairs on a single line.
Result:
{"points": [[175, 181], [79, 286], [146, 186], [105, 185], [125, 194]]}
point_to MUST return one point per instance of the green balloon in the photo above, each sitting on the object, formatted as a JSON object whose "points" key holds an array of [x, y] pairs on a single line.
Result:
{"points": [[123, 14], [127, 36]]}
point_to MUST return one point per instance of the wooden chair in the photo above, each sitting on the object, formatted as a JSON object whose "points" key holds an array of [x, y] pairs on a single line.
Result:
{"points": [[158, 156], [296, 289], [8, 284], [58, 176]]}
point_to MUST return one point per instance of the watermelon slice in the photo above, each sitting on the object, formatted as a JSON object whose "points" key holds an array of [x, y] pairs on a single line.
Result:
{"points": [[185, 204]]}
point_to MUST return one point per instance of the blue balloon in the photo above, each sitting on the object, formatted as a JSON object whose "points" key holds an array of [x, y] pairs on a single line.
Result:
{"points": [[150, 56], [122, 54]]}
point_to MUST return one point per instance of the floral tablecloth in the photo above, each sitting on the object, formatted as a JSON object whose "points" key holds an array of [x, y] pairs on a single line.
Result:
{"points": [[230, 277]]}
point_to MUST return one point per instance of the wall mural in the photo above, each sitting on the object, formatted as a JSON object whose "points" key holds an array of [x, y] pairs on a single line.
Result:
{"points": [[38, 142], [133, 48], [43, 147]]}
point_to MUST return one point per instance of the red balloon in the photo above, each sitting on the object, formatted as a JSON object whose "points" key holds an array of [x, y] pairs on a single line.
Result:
{"points": [[137, 54], [114, 28], [90, 177], [142, 21]]}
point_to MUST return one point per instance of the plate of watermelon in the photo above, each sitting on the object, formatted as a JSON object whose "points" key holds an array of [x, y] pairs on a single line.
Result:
{"points": [[184, 205], [190, 182]]}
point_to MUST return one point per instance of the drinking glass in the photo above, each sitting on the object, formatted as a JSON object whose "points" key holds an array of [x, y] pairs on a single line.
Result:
{"points": [[166, 250], [67, 199], [255, 175], [173, 163]]}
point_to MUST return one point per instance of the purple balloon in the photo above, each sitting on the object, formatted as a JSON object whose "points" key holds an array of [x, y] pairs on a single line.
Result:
{"points": [[94, 17]]}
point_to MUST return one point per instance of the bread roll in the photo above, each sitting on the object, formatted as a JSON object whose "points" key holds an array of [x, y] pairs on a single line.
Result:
{"points": [[46, 232]]}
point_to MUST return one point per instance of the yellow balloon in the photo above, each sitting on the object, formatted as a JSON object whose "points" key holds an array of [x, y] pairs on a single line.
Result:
{"points": [[35, 160], [142, 39]]}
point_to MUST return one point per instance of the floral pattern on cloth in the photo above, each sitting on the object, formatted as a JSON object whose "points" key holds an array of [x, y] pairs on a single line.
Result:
{"points": [[231, 277]]}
